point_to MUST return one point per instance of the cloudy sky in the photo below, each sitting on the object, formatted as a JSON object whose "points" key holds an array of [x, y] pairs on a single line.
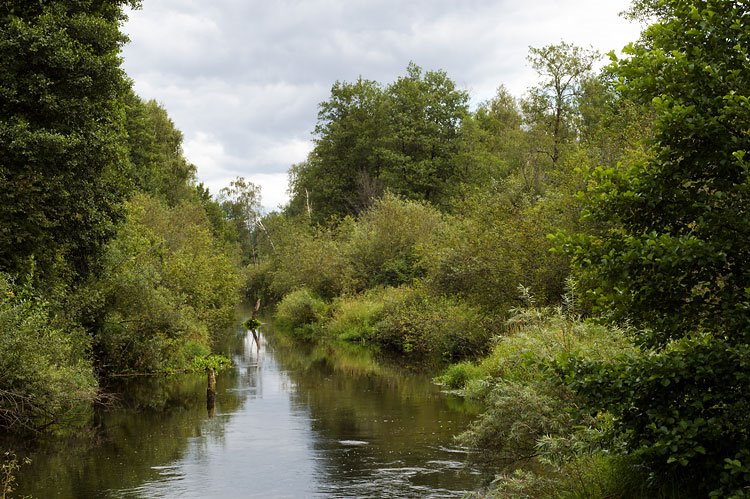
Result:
{"points": [[243, 78]]}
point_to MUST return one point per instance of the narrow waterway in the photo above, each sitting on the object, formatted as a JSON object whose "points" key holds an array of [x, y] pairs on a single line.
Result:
{"points": [[290, 421]]}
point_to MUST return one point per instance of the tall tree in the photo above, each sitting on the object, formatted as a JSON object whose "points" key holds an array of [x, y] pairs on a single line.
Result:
{"points": [[342, 173], [550, 108], [671, 254], [158, 165], [404, 138], [425, 112], [240, 202], [62, 140]]}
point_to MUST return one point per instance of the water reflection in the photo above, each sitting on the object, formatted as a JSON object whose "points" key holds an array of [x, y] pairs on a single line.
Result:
{"points": [[289, 422]]}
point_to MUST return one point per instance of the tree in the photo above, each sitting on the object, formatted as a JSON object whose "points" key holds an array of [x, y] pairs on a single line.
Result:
{"points": [[155, 151], [405, 138], [425, 112], [670, 253], [241, 204], [342, 173], [550, 108], [62, 140]]}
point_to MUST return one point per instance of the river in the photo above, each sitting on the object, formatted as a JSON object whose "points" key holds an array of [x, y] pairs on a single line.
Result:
{"points": [[290, 421]]}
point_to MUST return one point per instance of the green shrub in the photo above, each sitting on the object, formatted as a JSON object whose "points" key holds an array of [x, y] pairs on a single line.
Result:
{"points": [[382, 244], [301, 313], [46, 374], [305, 257], [419, 325], [165, 290], [354, 318], [457, 376], [697, 391]]}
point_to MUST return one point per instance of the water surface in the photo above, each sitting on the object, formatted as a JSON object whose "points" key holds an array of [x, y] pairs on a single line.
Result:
{"points": [[289, 421]]}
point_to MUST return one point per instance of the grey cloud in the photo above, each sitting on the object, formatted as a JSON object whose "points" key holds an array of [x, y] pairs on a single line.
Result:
{"points": [[250, 74]]}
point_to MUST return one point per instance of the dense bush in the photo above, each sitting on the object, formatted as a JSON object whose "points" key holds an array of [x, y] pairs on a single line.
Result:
{"points": [[46, 373], [354, 318], [382, 245], [302, 256], [166, 289], [496, 242], [690, 425], [422, 326], [301, 313]]}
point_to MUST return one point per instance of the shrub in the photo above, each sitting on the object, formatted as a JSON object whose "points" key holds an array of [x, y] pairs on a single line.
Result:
{"points": [[383, 243], [419, 325], [165, 290], [46, 375], [301, 312], [457, 376], [355, 318], [305, 257]]}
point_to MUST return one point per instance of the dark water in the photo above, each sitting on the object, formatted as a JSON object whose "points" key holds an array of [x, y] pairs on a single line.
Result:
{"points": [[289, 421]]}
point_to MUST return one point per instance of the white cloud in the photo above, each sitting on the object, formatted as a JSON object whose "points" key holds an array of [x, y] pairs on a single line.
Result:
{"points": [[242, 78]]}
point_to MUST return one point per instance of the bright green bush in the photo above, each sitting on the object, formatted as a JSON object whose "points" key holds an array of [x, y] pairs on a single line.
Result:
{"points": [[528, 404], [355, 318], [47, 376], [418, 325], [301, 313], [457, 376]]}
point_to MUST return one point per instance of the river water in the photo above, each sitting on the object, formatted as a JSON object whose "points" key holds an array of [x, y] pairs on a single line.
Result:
{"points": [[290, 421]]}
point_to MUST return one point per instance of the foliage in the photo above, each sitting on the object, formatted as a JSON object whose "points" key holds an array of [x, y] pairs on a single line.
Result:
{"points": [[354, 318], [155, 152], [669, 254], [251, 323], [165, 290], [532, 430], [682, 411], [62, 137], [9, 466], [212, 362], [301, 256], [496, 242], [676, 219], [47, 377], [405, 138], [420, 326], [240, 202], [459, 375], [382, 244], [301, 312]]}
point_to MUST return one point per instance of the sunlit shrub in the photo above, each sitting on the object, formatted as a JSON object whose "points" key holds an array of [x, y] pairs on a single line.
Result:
{"points": [[456, 376], [354, 318], [301, 312]]}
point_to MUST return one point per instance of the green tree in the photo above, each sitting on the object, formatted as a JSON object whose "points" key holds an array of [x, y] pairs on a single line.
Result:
{"points": [[425, 112], [155, 151], [550, 109], [62, 139], [670, 252], [405, 138], [342, 173], [240, 202]]}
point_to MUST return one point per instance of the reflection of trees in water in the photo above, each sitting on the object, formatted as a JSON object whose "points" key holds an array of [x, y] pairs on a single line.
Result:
{"points": [[150, 426], [371, 420]]}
